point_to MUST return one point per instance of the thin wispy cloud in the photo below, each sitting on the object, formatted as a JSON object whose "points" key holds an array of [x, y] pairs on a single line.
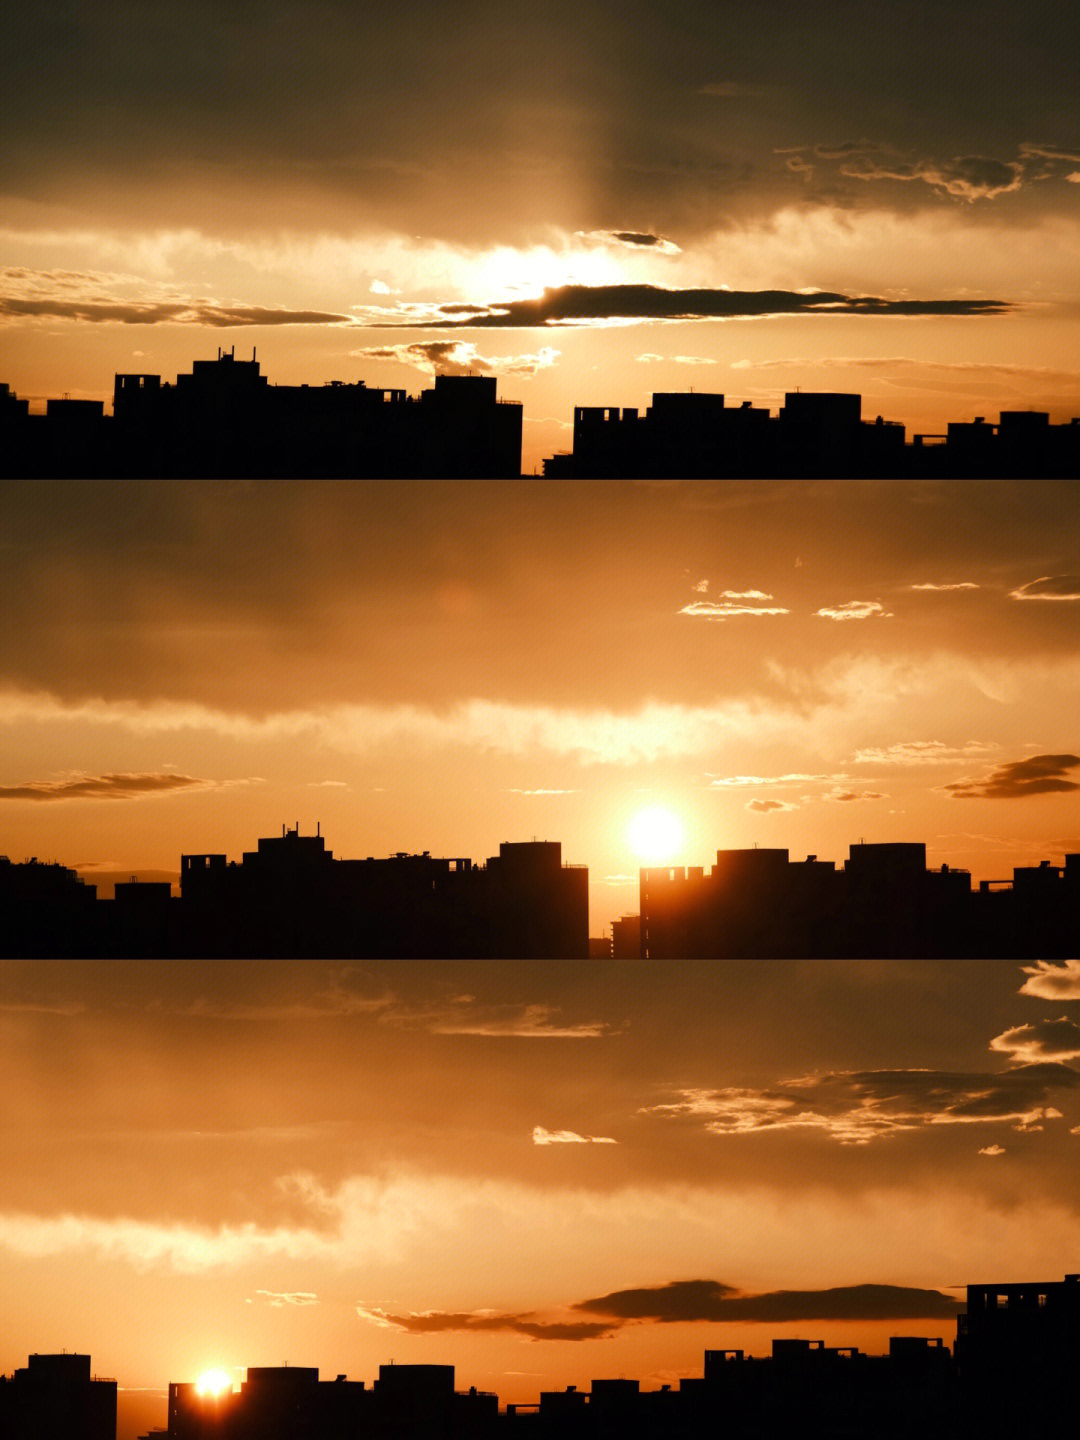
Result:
{"points": [[730, 605], [531, 1022], [540, 1136], [855, 610], [279, 1299], [1049, 587], [740, 782], [921, 752], [860, 1107], [457, 357]]}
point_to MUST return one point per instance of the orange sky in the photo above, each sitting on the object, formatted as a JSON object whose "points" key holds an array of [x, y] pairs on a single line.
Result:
{"points": [[445, 667], [358, 200], [335, 1165]]}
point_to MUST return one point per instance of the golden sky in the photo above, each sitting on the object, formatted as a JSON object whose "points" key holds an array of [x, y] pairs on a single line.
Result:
{"points": [[541, 1173], [324, 186], [445, 667]]}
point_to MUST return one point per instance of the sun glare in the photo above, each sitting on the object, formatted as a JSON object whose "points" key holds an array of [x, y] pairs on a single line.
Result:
{"points": [[214, 1383], [655, 835]]}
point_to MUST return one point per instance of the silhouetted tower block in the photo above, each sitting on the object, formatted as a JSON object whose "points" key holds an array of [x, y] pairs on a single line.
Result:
{"points": [[47, 910], [136, 397], [195, 1416], [720, 1365], [225, 378], [414, 1402], [537, 907], [203, 877], [56, 1398], [474, 1414], [1016, 1351], [1023, 427], [828, 412], [12, 409], [892, 865], [466, 432], [277, 1402], [626, 938]]}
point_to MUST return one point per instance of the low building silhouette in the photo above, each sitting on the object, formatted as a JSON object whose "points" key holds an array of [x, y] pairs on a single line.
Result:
{"points": [[696, 435], [406, 1402], [884, 903], [290, 898], [223, 419]]}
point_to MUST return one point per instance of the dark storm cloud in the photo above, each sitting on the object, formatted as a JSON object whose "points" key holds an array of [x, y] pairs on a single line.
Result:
{"points": [[596, 304], [103, 787], [686, 1302], [163, 312], [435, 1322], [1037, 775], [710, 1301], [633, 239], [858, 1107]]}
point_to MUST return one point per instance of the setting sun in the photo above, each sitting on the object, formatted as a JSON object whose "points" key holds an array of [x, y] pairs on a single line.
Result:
{"points": [[655, 835], [214, 1383]]}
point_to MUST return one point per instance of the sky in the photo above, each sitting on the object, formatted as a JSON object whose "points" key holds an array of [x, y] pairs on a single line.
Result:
{"points": [[541, 1173], [591, 201]]}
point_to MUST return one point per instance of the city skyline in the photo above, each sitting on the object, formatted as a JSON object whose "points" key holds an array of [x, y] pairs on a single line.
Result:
{"points": [[224, 418], [590, 206], [445, 666]]}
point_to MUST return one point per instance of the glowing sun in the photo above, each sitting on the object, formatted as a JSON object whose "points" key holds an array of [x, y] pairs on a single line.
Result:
{"points": [[655, 835], [213, 1383]]}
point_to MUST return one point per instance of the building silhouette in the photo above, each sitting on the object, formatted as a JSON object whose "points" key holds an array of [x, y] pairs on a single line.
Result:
{"points": [[224, 419], [406, 1402], [884, 903], [55, 1397], [290, 898], [696, 435], [1016, 1350]]}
